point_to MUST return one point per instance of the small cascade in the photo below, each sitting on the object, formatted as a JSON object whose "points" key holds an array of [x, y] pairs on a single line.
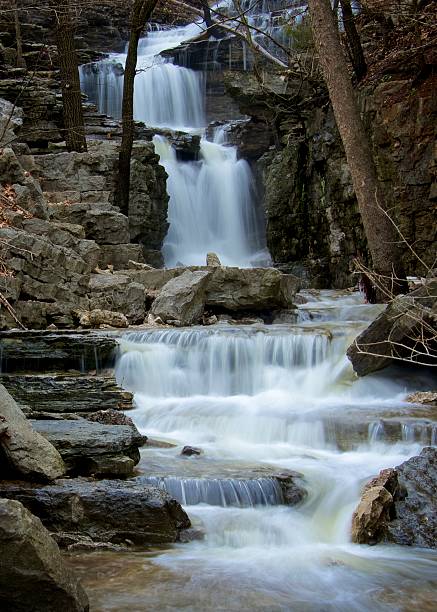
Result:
{"points": [[212, 208], [225, 493]]}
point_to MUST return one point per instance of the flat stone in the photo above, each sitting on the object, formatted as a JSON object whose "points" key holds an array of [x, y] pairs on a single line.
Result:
{"points": [[82, 443], [116, 511]]}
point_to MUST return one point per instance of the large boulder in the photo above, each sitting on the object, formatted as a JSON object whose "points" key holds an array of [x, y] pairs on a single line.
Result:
{"points": [[33, 575], [182, 299], [107, 511], [93, 448], [400, 504], [118, 293], [251, 289], [25, 451], [406, 330]]}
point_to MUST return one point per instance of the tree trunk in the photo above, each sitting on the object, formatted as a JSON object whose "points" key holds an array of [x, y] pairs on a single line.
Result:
{"points": [[380, 232], [21, 62], [353, 40], [74, 126], [206, 13], [141, 12]]}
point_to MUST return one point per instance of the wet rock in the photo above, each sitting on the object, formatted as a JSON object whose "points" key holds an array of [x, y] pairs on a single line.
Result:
{"points": [[113, 511], [399, 505], [403, 331], [97, 317], [71, 393], [189, 451], [111, 417], [23, 450], [93, 448], [33, 575], [374, 512], [291, 484], [44, 351], [212, 260], [182, 298]]}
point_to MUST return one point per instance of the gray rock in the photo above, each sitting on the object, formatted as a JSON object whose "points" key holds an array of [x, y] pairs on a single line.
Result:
{"points": [[85, 445], [398, 332], [182, 299], [25, 451], [251, 289], [107, 511], [399, 505], [44, 351], [97, 317], [33, 575], [213, 260], [117, 292], [120, 255], [67, 393]]}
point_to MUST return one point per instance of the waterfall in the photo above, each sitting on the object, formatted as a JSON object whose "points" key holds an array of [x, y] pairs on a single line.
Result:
{"points": [[212, 208]]}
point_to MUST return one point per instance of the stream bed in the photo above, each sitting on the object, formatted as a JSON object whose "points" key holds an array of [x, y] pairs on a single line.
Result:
{"points": [[257, 399]]}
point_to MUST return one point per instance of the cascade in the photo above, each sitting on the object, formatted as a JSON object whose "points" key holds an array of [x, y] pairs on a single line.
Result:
{"points": [[258, 400]]}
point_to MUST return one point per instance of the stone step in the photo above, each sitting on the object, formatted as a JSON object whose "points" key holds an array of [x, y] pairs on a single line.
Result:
{"points": [[66, 393], [47, 351]]}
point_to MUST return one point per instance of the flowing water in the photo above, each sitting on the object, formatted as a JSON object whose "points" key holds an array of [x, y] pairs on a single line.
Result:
{"points": [[213, 201], [260, 400]]}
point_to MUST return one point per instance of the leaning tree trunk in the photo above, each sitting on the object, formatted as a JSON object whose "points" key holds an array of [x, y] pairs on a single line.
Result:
{"points": [[380, 232], [74, 126], [353, 40], [141, 12]]}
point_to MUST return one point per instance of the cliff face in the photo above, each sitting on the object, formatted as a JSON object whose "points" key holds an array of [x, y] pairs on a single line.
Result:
{"points": [[313, 224]]}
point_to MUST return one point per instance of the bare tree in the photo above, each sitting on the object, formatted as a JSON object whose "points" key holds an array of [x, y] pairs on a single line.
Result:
{"points": [[379, 230], [74, 126], [21, 63], [141, 12], [353, 40]]}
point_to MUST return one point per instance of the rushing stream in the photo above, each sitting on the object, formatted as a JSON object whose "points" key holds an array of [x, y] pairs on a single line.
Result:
{"points": [[259, 400]]}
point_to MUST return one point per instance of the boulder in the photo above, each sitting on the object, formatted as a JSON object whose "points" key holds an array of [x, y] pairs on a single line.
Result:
{"points": [[115, 511], [399, 505], [189, 451], [98, 317], [89, 447], [33, 575], [25, 451], [118, 293], [251, 289], [213, 260], [404, 331], [182, 299]]}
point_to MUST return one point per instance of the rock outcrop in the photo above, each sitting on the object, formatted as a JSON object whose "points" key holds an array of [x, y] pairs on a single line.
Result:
{"points": [[114, 511], [405, 331], [24, 451], [33, 575], [399, 505], [182, 299], [93, 448]]}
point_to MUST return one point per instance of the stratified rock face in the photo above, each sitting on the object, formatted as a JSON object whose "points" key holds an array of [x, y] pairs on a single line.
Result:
{"points": [[400, 505], [398, 333], [33, 575], [93, 448], [24, 451], [107, 510], [182, 299]]}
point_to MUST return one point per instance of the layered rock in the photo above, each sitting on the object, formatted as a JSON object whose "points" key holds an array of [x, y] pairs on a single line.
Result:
{"points": [[107, 511], [399, 505], [33, 575], [89, 447]]}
